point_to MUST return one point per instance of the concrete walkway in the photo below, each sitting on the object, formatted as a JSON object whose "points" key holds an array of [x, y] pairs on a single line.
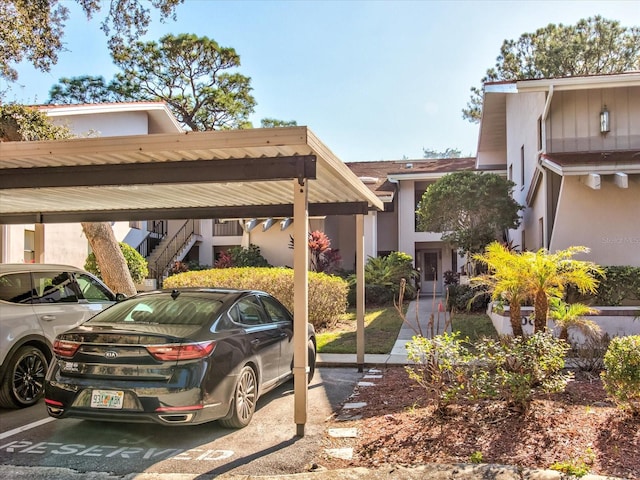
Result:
{"points": [[416, 322]]}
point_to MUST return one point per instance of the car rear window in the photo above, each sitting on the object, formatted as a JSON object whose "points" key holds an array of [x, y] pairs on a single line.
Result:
{"points": [[163, 309], [16, 288]]}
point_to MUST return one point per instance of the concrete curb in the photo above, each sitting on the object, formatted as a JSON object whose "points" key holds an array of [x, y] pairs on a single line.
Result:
{"points": [[424, 472]]}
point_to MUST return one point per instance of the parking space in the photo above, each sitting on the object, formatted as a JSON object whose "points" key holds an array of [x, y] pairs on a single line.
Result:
{"points": [[267, 446]]}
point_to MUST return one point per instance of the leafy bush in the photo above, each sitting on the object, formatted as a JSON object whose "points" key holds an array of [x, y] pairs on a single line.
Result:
{"points": [[588, 356], [136, 263], [463, 298], [513, 369], [327, 293], [619, 284], [441, 366], [621, 377], [248, 257], [382, 276], [523, 366]]}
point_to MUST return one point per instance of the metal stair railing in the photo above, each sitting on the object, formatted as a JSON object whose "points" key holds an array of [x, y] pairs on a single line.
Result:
{"points": [[168, 255]]}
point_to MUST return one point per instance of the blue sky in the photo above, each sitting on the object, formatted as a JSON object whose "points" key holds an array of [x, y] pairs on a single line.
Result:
{"points": [[375, 80]]}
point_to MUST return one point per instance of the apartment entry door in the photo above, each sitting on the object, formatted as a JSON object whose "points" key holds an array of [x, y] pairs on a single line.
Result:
{"points": [[430, 263]]}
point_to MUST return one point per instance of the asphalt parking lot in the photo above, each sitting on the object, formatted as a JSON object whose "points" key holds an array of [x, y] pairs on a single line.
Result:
{"points": [[86, 449]]}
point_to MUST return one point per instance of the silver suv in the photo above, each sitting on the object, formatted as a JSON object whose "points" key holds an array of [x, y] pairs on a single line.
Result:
{"points": [[37, 302]]}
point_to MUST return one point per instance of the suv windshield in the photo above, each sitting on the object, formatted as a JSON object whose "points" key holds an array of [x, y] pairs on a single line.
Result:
{"points": [[163, 309]]}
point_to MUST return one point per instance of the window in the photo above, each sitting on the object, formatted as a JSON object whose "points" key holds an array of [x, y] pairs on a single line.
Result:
{"points": [[93, 291], [541, 228], [29, 246], [248, 311], [522, 165], [454, 260], [276, 312], [16, 288], [510, 172], [540, 133], [54, 287]]}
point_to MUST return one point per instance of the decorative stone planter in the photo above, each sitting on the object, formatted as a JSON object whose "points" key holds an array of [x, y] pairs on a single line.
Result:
{"points": [[615, 321]]}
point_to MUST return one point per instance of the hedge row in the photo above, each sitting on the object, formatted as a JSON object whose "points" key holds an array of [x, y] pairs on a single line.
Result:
{"points": [[327, 293]]}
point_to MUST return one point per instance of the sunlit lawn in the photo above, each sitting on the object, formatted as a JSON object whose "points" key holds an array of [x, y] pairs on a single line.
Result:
{"points": [[382, 325]]}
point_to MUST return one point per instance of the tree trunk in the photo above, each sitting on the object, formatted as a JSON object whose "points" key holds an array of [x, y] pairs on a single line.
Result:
{"points": [[540, 306], [109, 257], [515, 316]]}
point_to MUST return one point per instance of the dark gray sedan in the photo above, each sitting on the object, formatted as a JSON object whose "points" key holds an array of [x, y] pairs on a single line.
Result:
{"points": [[175, 357]]}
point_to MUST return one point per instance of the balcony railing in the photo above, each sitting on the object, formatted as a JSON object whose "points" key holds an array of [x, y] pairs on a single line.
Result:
{"points": [[231, 228]]}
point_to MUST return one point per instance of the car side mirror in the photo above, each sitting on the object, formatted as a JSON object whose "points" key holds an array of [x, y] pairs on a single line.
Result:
{"points": [[120, 297]]}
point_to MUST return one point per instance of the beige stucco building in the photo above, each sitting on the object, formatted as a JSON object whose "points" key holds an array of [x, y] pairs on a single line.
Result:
{"points": [[576, 172], [572, 147]]}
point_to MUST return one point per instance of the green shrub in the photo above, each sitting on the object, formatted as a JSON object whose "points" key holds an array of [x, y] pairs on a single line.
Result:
{"points": [[136, 263], [247, 257], [464, 298], [513, 369], [621, 377], [440, 365], [520, 367], [620, 284], [327, 293], [382, 276]]}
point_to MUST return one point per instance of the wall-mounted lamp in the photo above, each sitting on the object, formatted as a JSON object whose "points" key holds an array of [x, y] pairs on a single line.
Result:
{"points": [[604, 120]]}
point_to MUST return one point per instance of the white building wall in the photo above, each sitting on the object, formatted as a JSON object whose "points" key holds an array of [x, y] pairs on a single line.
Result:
{"points": [[106, 124], [607, 221], [523, 112], [406, 217]]}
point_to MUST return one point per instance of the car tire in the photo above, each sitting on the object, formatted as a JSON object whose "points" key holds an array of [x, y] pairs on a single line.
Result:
{"points": [[243, 404], [312, 360], [23, 384]]}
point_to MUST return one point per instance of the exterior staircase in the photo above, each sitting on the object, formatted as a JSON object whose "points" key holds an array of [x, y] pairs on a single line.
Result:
{"points": [[173, 249]]}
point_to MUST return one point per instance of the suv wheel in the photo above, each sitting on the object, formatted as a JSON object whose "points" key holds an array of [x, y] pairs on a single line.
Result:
{"points": [[23, 384]]}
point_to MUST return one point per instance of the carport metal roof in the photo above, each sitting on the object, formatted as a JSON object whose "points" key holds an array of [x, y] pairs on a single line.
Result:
{"points": [[220, 174], [216, 174]]}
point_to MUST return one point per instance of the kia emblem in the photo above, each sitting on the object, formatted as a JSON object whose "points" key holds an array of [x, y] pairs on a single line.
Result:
{"points": [[110, 354]]}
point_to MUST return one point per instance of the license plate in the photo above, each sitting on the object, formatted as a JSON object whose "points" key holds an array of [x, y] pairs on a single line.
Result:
{"points": [[107, 399]]}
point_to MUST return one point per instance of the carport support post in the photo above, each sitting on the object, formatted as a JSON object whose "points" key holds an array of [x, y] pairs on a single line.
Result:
{"points": [[300, 302], [360, 291]]}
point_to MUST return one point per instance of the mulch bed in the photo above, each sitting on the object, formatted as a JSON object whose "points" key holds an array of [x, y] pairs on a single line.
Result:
{"points": [[400, 426]]}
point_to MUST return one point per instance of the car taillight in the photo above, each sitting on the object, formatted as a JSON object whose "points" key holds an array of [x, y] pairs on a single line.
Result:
{"points": [[183, 351], [64, 348]]}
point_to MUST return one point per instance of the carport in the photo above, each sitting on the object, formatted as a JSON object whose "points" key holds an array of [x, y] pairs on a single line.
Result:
{"points": [[283, 172]]}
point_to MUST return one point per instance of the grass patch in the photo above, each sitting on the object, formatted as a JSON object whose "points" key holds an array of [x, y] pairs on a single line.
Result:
{"points": [[382, 325], [474, 326]]}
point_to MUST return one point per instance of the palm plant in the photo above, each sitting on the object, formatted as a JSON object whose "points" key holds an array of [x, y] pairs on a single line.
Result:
{"points": [[548, 275], [571, 315], [506, 279]]}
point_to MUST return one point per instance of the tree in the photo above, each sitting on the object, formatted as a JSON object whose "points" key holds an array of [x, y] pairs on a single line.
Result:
{"points": [[592, 46], [88, 89], [21, 123], [34, 29], [275, 123], [111, 262], [194, 76], [471, 210], [549, 274], [506, 279], [448, 153]]}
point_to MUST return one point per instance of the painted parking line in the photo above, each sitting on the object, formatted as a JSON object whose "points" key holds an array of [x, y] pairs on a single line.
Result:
{"points": [[26, 427]]}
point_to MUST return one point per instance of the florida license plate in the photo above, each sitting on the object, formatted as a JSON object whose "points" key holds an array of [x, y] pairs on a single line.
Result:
{"points": [[107, 399]]}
